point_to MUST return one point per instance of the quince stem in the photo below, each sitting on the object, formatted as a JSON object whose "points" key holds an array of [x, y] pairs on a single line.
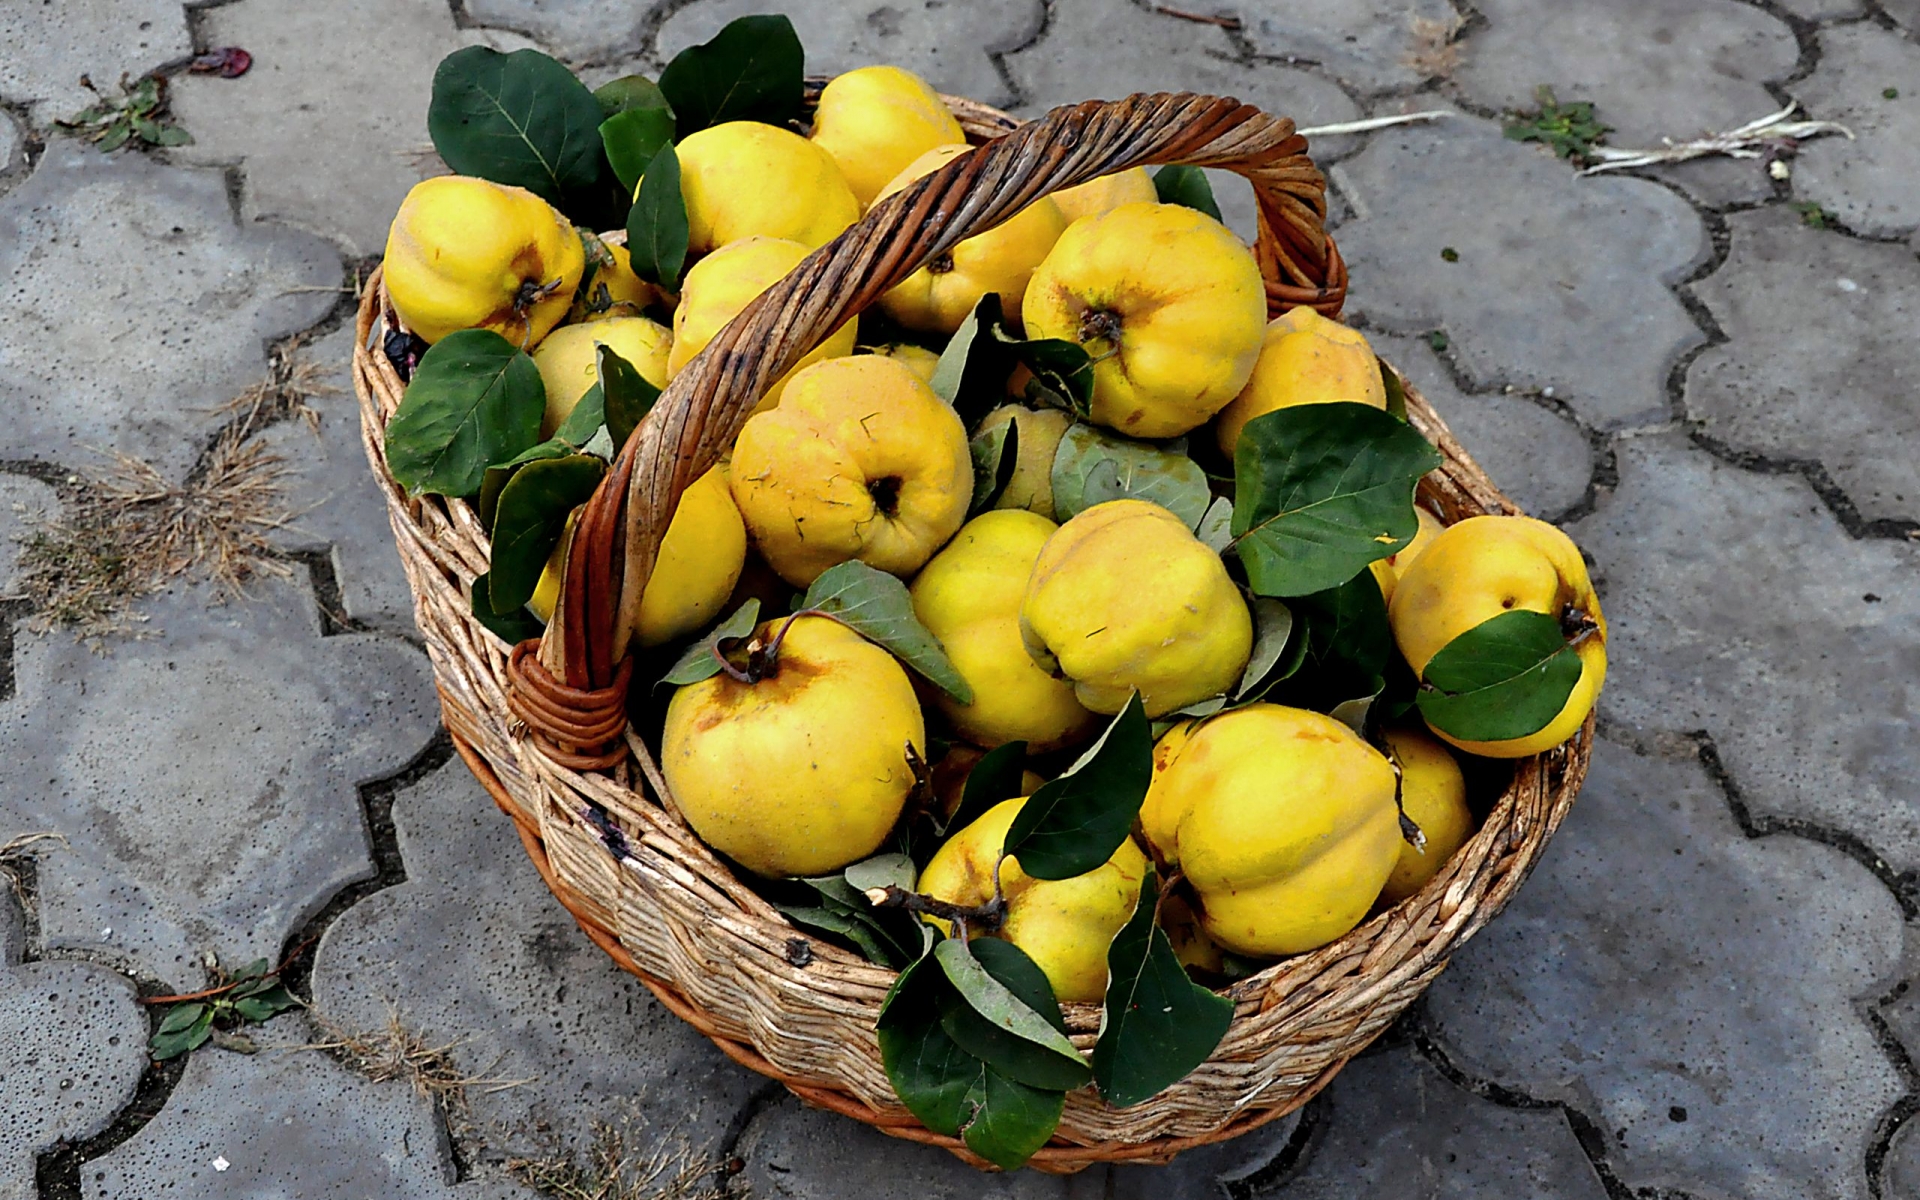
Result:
{"points": [[990, 915]]}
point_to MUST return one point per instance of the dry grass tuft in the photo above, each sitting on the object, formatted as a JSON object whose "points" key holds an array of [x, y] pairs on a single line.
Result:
{"points": [[397, 1052], [614, 1168], [292, 379], [16, 849], [1435, 54]]}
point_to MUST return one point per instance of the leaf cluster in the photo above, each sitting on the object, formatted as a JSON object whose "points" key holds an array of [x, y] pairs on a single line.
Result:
{"points": [[139, 114], [1570, 130], [250, 996]]}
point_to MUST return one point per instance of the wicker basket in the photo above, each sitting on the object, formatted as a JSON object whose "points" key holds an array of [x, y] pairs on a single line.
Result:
{"points": [[543, 725]]}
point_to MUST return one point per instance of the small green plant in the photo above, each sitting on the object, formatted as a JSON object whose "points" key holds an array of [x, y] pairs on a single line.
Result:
{"points": [[1438, 341], [1812, 215], [1449, 254], [1570, 129], [138, 113], [1889, 93], [250, 996]]}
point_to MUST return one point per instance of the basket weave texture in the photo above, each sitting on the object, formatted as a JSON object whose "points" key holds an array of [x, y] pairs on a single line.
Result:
{"points": [[543, 726]]}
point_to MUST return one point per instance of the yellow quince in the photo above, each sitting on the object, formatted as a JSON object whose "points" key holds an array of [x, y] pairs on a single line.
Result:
{"points": [[969, 597], [722, 284], [1487, 565], [804, 770], [1124, 598], [467, 253], [918, 359], [876, 120], [1064, 925], [1305, 359], [1168, 302], [1387, 571], [860, 460], [615, 291], [1433, 794], [749, 179], [1281, 819], [1040, 430], [569, 360], [1133, 186]]}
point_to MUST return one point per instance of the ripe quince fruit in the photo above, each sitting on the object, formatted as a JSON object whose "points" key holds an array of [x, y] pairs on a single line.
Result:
{"points": [[1124, 598], [749, 179], [860, 460], [1168, 302], [1064, 925], [467, 253], [876, 120], [569, 363], [722, 284], [806, 769], [918, 359], [615, 291], [969, 597], [1304, 359], [1387, 571], [1281, 819], [939, 296], [1433, 794], [1031, 484], [699, 562], [1487, 565], [1132, 186]]}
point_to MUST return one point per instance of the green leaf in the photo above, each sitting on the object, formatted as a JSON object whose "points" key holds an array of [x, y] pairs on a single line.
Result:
{"points": [[116, 135], [496, 478], [994, 778], [528, 522], [628, 395], [1186, 185], [882, 870], [876, 606], [752, 70], [861, 934], [1396, 390], [698, 662], [1062, 371], [257, 969], [995, 453], [512, 627], [951, 371], [583, 421], [519, 119], [657, 223], [1347, 646], [266, 1004], [1093, 466], [972, 372], [173, 1043], [1507, 677], [1215, 530], [475, 400], [1158, 1024], [629, 92], [1321, 491], [632, 138], [1072, 824], [1014, 1034], [1008, 1121], [181, 1015], [1272, 630]]}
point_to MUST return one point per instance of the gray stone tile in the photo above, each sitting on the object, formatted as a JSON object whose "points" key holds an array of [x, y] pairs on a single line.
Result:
{"points": [[580, 31], [951, 44], [1905, 13], [1900, 1177], [341, 511], [1828, 10], [25, 503], [1365, 44], [135, 305], [1740, 607], [1867, 182], [473, 947], [9, 149], [46, 48], [1690, 989], [1216, 1172], [72, 1046], [1838, 387], [1533, 300], [204, 775], [1536, 455]]}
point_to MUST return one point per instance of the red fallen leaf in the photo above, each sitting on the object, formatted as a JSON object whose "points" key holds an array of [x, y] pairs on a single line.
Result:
{"points": [[228, 62]]}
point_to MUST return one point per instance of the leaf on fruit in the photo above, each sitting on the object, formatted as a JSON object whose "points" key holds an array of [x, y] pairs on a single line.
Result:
{"points": [[1321, 491], [1353, 713], [520, 119], [1396, 388], [1062, 370], [585, 419], [876, 606], [657, 229], [512, 627], [496, 478], [1009, 1025], [753, 70], [882, 870], [1093, 466], [1507, 677], [698, 662], [475, 400], [1347, 646], [995, 453], [996, 777], [1215, 530], [1272, 630], [529, 519], [1158, 1025], [1188, 186], [1072, 824], [627, 93], [972, 369], [628, 397], [631, 138]]}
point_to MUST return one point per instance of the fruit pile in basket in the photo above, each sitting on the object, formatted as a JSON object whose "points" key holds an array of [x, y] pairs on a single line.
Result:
{"points": [[1062, 631]]}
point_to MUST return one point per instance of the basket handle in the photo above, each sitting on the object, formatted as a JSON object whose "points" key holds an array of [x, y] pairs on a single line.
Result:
{"points": [[571, 694]]}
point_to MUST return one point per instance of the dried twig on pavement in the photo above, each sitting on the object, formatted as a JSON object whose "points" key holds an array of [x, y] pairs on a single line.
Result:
{"points": [[1772, 133]]}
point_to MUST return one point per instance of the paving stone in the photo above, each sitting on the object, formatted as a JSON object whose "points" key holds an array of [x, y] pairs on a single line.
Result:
{"points": [[341, 510], [1537, 456], [204, 775], [1533, 299], [1659, 999], [1217, 1172], [1828, 10], [1901, 1173], [580, 31], [1366, 44], [25, 503], [1866, 182], [9, 149], [473, 947], [952, 44], [136, 305], [1740, 607], [331, 122], [45, 48], [1905, 13], [72, 1046]]}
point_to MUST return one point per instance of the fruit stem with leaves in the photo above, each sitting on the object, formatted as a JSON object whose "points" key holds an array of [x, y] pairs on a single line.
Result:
{"points": [[984, 917]]}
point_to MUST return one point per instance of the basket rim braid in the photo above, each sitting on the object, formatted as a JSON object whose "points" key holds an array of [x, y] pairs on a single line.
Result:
{"points": [[543, 726]]}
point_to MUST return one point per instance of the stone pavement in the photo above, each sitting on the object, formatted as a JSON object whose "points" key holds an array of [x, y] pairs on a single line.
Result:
{"points": [[1707, 373]]}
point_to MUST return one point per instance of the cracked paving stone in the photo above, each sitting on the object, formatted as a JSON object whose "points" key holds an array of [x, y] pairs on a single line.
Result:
{"points": [[1688, 988], [1530, 300], [953, 45], [1537, 456], [1739, 606], [45, 49], [1866, 182], [136, 306], [331, 122], [72, 1046], [473, 947], [1838, 387], [341, 511], [204, 774], [1367, 44]]}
